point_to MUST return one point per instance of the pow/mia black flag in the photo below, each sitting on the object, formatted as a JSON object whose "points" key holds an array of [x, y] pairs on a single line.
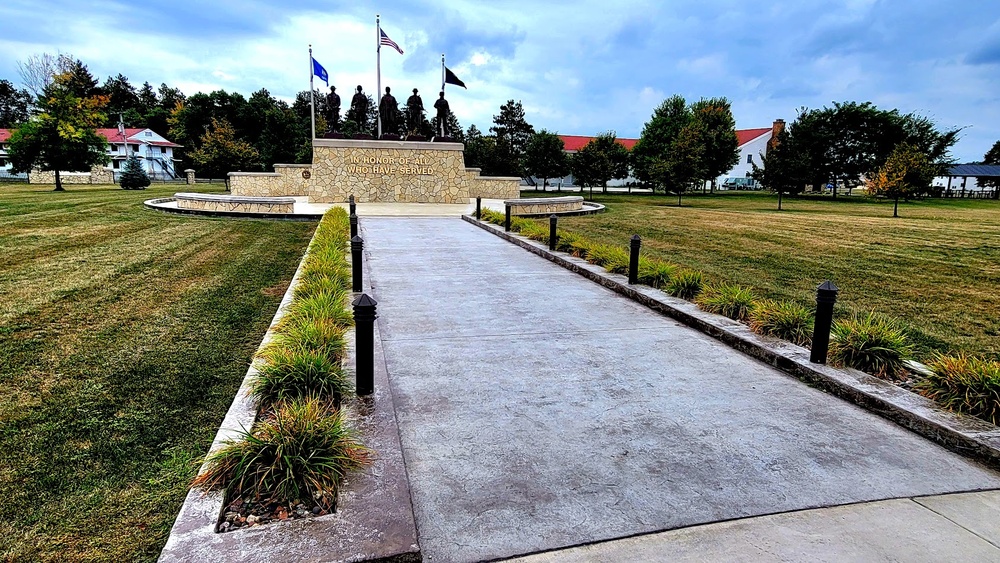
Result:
{"points": [[450, 78]]}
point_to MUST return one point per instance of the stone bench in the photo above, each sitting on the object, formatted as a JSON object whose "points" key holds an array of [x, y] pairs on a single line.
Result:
{"points": [[234, 203], [544, 205]]}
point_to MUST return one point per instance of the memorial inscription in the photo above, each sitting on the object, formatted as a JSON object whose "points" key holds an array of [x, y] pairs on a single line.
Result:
{"points": [[419, 166]]}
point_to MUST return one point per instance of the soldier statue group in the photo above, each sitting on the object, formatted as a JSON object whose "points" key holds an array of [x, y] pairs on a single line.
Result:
{"points": [[387, 111]]}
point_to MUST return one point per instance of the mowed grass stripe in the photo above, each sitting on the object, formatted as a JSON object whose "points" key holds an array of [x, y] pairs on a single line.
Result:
{"points": [[936, 267], [118, 377]]}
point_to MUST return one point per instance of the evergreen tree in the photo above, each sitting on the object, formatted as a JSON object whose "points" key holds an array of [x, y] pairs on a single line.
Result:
{"points": [[512, 135], [133, 177], [454, 127], [14, 105]]}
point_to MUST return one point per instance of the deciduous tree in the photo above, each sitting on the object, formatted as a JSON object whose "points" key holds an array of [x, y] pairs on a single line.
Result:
{"points": [[907, 172], [545, 157], [992, 156], [722, 152], [62, 136], [600, 161], [221, 152]]}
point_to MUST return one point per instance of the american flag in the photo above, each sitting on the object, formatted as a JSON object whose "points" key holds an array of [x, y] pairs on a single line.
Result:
{"points": [[384, 40]]}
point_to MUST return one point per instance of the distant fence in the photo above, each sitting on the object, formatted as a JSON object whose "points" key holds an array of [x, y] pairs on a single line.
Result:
{"points": [[8, 176]]}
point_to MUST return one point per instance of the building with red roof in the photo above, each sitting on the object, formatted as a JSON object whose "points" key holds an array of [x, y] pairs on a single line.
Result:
{"points": [[752, 143], [154, 151]]}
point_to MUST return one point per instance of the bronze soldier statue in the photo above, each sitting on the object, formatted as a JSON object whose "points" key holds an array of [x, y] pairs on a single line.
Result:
{"points": [[387, 109], [441, 105], [359, 105], [414, 111], [332, 109]]}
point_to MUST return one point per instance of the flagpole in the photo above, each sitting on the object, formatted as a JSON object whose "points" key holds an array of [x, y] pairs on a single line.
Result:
{"points": [[312, 94], [442, 71], [378, 73]]}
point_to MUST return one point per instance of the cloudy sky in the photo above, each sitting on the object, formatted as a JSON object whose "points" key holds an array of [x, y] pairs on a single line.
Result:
{"points": [[579, 67]]}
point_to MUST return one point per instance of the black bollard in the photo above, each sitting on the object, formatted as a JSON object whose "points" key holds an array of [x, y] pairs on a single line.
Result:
{"points": [[633, 259], [354, 207], [364, 342], [479, 208], [354, 225], [826, 296], [553, 237], [357, 245], [506, 221]]}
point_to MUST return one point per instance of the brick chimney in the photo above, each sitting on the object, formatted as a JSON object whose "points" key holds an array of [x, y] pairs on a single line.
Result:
{"points": [[776, 128]]}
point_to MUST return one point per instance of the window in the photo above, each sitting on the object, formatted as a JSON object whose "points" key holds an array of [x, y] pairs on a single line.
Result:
{"points": [[749, 158], [135, 148], [115, 163], [114, 148], [149, 134], [3, 163], [163, 150]]}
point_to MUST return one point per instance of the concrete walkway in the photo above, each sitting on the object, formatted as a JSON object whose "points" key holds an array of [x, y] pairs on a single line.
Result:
{"points": [[540, 411]]}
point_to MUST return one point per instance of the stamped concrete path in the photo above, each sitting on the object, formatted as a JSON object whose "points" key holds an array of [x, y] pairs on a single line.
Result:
{"points": [[540, 411]]}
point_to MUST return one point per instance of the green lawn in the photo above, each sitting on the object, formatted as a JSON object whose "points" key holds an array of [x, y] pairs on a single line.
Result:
{"points": [[937, 266], [124, 335]]}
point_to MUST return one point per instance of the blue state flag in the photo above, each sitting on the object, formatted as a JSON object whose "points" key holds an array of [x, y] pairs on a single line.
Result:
{"points": [[319, 71]]}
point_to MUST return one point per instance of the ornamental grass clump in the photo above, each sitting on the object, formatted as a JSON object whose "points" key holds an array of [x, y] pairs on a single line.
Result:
{"points": [[733, 301], [964, 384], [655, 273], [685, 284], [870, 342], [297, 372], [612, 258], [322, 307], [783, 319], [303, 451], [326, 338]]}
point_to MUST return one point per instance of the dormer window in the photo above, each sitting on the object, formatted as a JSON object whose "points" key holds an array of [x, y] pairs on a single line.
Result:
{"points": [[149, 133]]}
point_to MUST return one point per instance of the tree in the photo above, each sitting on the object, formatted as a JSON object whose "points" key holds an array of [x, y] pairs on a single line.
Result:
{"points": [[600, 161], [222, 152], [853, 140], [480, 152], [14, 105], [512, 135], [133, 177], [719, 136], [684, 163], [907, 171], [545, 157], [658, 134], [454, 127], [783, 170], [992, 156], [62, 136], [122, 97]]}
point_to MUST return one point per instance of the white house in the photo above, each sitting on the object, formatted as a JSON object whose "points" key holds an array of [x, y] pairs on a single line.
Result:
{"points": [[752, 143], [154, 151]]}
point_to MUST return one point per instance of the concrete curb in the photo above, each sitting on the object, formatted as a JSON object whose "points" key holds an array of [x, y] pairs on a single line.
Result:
{"points": [[374, 519], [966, 435]]}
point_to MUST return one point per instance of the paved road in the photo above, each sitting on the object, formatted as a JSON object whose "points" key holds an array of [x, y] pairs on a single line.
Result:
{"points": [[538, 410]]}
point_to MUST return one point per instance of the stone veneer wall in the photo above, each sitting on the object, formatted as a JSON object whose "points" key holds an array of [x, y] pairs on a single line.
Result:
{"points": [[238, 207], [286, 180], [399, 171], [97, 175], [545, 206]]}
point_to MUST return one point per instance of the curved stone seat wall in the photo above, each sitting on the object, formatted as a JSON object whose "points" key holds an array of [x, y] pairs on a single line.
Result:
{"points": [[234, 203], [544, 205]]}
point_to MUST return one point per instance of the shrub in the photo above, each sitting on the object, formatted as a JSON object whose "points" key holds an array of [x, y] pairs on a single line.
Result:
{"points": [[655, 273], [685, 284], [782, 319], [302, 451], [964, 384], [870, 342], [297, 372], [733, 301]]}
